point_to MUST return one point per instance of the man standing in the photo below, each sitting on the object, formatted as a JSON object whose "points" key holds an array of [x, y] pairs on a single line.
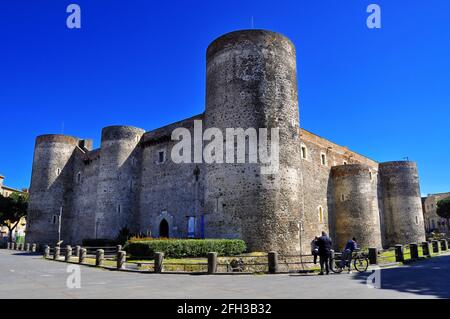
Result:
{"points": [[325, 245], [347, 254], [315, 249]]}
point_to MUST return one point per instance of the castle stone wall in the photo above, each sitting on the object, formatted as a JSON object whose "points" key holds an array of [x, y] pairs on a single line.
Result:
{"points": [[117, 179], [50, 182], [402, 203], [82, 221], [169, 191], [252, 83], [355, 198]]}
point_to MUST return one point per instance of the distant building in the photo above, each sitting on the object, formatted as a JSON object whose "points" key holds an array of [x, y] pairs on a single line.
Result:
{"points": [[7, 191], [433, 222], [20, 229]]}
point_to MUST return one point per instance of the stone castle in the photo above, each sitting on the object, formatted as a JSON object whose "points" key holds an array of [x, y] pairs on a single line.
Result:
{"points": [[251, 83]]}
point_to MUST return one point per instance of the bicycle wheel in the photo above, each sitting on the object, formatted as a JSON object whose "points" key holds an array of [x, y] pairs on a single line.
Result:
{"points": [[335, 266], [361, 264]]}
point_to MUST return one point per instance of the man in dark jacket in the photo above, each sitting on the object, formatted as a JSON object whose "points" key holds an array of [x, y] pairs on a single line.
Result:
{"points": [[347, 253], [325, 246]]}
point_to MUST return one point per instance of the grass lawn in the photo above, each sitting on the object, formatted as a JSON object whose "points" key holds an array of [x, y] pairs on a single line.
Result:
{"points": [[389, 256]]}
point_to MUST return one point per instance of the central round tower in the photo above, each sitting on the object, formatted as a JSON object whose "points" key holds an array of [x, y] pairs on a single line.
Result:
{"points": [[117, 179], [252, 84], [355, 199]]}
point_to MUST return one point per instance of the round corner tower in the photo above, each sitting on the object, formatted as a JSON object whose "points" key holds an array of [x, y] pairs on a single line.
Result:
{"points": [[117, 180], [50, 180], [252, 84], [402, 203], [355, 198]]}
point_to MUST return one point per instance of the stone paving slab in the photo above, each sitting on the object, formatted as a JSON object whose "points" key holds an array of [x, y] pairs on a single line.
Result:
{"points": [[30, 276]]}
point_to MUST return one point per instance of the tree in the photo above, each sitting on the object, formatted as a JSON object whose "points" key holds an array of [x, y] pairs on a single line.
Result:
{"points": [[443, 208], [12, 209]]}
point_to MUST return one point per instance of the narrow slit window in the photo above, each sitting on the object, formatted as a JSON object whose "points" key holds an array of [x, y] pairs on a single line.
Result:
{"points": [[320, 214], [304, 152], [323, 159], [161, 157]]}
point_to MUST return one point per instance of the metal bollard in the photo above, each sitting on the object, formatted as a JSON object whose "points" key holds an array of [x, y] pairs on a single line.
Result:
{"points": [[77, 251], [13, 245], [435, 244], [33, 248], [414, 248], [332, 258], [399, 254], [373, 256], [82, 257], [426, 249], [57, 253], [444, 245], [273, 262], [159, 260], [68, 253], [121, 259], [47, 251], [212, 263], [8, 246], [99, 257], [28, 247]]}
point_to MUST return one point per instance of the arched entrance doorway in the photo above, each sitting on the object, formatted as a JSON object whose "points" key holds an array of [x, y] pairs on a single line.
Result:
{"points": [[164, 229]]}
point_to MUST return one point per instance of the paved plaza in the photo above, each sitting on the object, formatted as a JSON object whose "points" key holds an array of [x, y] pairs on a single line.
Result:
{"points": [[29, 276]]}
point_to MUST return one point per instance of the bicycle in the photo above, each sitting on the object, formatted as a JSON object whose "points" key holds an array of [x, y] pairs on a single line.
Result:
{"points": [[360, 262]]}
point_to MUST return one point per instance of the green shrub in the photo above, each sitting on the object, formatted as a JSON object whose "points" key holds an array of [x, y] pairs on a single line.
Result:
{"points": [[181, 248], [94, 242]]}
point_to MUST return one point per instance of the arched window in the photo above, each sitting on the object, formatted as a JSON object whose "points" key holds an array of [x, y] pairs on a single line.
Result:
{"points": [[164, 229]]}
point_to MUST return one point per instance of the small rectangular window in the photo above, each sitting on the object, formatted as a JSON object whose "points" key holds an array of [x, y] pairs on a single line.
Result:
{"points": [[161, 157]]}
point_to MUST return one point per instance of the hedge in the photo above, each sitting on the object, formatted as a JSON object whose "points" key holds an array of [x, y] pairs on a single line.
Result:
{"points": [[180, 248]]}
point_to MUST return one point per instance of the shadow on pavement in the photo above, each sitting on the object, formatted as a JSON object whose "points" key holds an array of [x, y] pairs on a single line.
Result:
{"points": [[23, 253], [428, 278]]}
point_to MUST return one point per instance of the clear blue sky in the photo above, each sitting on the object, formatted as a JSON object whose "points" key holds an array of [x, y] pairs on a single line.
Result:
{"points": [[383, 93]]}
